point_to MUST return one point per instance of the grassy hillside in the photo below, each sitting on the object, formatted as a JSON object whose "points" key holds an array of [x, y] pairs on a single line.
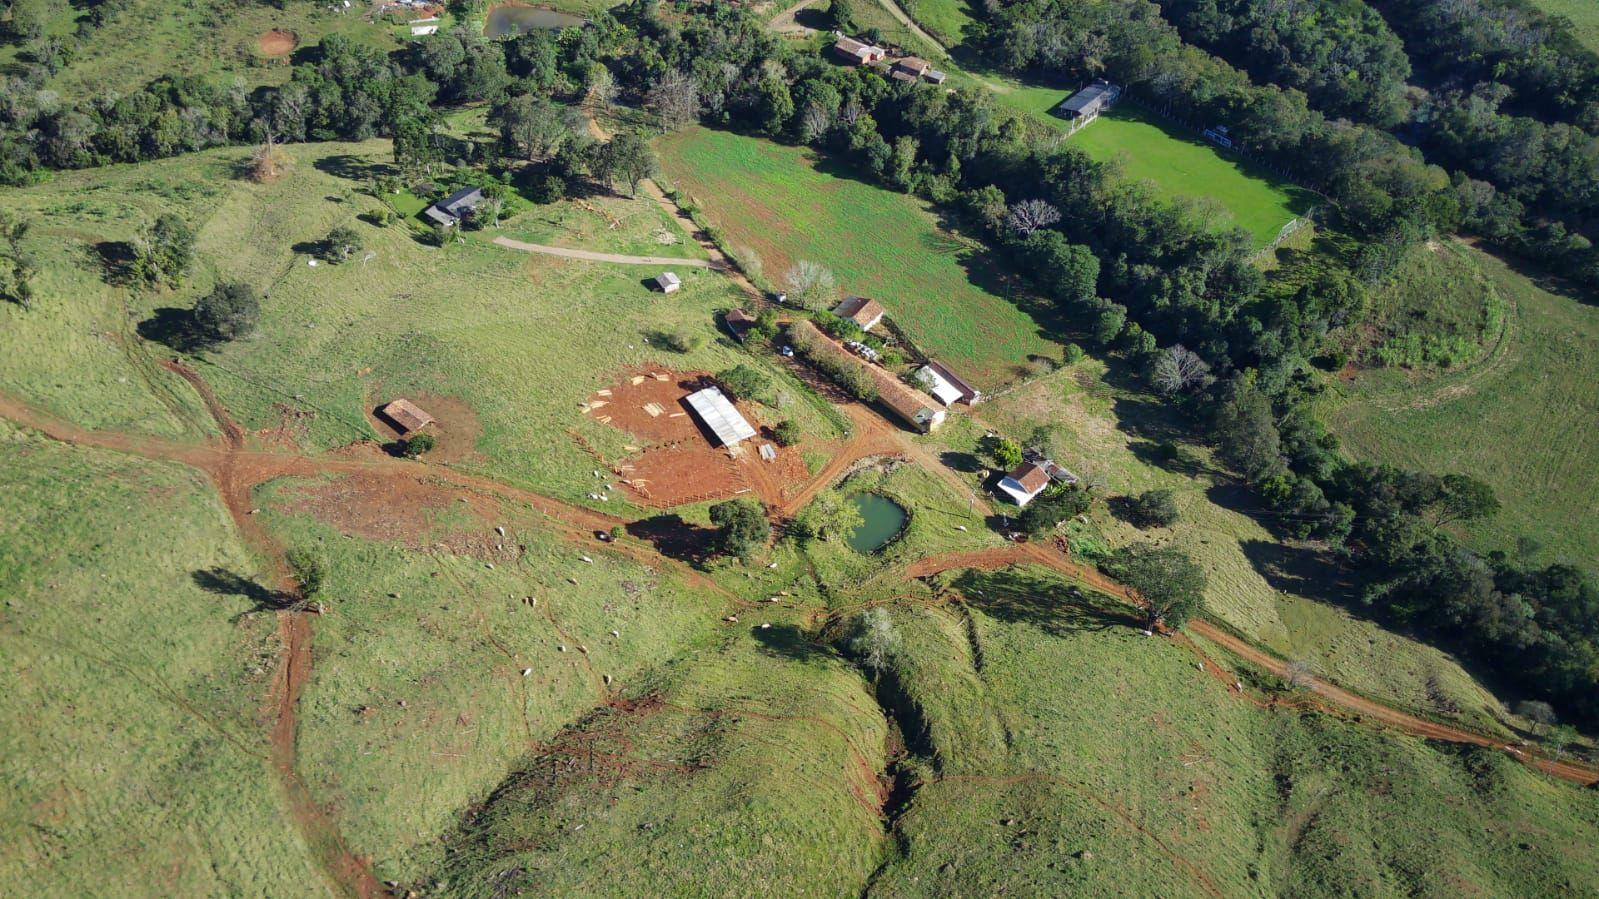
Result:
{"points": [[1520, 417], [134, 757], [942, 289], [1177, 163], [1584, 18]]}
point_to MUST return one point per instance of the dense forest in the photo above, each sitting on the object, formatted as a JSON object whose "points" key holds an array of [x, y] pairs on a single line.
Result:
{"points": [[1232, 349]]}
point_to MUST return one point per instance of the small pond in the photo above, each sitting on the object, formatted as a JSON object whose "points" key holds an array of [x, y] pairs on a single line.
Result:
{"points": [[514, 18], [882, 520]]}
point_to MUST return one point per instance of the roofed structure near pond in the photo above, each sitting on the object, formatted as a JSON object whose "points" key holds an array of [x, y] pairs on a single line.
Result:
{"points": [[1024, 482], [668, 282], [405, 415], [916, 408], [455, 207], [718, 414], [1090, 101], [857, 52], [863, 312]]}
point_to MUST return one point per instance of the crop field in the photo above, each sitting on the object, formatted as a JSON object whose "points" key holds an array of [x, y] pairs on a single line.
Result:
{"points": [[1520, 417], [942, 289], [134, 756], [1175, 162], [1287, 600]]}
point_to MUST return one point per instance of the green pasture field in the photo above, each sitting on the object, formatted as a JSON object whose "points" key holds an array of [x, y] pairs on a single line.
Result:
{"points": [[1288, 600], [1175, 162], [133, 740], [1521, 416], [778, 201], [1583, 15], [1063, 753], [945, 20], [418, 705], [522, 339]]}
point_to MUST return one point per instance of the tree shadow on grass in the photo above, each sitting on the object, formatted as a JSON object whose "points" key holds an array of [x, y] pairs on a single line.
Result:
{"points": [[1303, 571], [222, 582], [175, 329], [1041, 599], [115, 259], [675, 538], [353, 168], [788, 642]]}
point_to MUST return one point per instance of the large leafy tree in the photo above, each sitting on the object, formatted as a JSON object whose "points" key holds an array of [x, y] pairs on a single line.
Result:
{"points": [[1171, 583]]}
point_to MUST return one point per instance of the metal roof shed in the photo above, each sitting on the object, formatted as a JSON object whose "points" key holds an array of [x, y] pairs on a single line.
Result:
{"points": [[719, 415]]}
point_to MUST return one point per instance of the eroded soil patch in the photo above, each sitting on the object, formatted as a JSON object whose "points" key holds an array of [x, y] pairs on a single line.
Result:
{"points": [[411, 511]]}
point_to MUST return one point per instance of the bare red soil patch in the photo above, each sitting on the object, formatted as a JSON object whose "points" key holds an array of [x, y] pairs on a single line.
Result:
{"points": [[678, 461], [455, 428], [277, 42], [409, 510]]}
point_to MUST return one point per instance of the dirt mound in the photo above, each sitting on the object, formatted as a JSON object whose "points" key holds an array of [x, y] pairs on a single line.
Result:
{"points": [[455, 428], [277, 43], [681, 462], [408, 510]]}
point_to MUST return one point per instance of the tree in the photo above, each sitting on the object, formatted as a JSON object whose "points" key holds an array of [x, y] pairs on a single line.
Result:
{"points": [[600, 92], [268, 163], [1008, 453], [18, 286], [1540, 713], [742, 527], [787, 432], [163, 251], [341, 243], [873, 638], [228, 312], [828, 516], [1246, 432], [810, 284], [416, 445], [1153, 508], [1297, 674], [310, 573], [1028, 216], [532, 127], [675, 100], [628, 156], [1170, 582], [1052, 507], [1178, 369], [743, 382], [1463, 498]]}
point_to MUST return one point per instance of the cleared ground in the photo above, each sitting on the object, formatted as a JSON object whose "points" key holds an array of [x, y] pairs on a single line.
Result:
{"points": [[1520, 417], [944, 290], [1177, 163]]}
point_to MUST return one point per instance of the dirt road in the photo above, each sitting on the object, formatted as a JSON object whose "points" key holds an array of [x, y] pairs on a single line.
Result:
{"points": [[592, 256], [1332, 698]]}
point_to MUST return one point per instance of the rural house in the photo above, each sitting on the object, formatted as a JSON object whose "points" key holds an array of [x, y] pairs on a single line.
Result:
{"points": [[1025, 482], [738, 324], [456, 206], [712, 408], [1086, 105], [914, 407], [947, 386], [404, 414], [668, 282], [911, 68], [857, 53], [863, 312]]}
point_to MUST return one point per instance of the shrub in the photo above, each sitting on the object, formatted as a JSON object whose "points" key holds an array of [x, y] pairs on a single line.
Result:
{"points": [[417, 444], [1153, 508], [743, 382], [1054, 507], [1073, 354], [787, 432], [228, 312], [681, 341], [742, 527]]}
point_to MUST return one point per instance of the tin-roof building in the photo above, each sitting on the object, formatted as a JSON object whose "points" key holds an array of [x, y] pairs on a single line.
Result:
{"points": [[714, 409]]}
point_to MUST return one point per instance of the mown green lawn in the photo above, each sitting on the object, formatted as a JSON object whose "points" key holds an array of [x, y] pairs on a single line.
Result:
{"points": [[786, 206], [1177, 163], [1521, 417]]}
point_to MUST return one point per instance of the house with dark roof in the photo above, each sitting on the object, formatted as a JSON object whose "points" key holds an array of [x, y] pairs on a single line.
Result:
{"points": [[911, 68], [739, 323], [857, 53], [863, 312], [456, 206], [1086, 105]]}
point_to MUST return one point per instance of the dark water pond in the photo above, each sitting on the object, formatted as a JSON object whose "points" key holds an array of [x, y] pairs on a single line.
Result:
{"points": [[513, 18], [882, 520]]}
